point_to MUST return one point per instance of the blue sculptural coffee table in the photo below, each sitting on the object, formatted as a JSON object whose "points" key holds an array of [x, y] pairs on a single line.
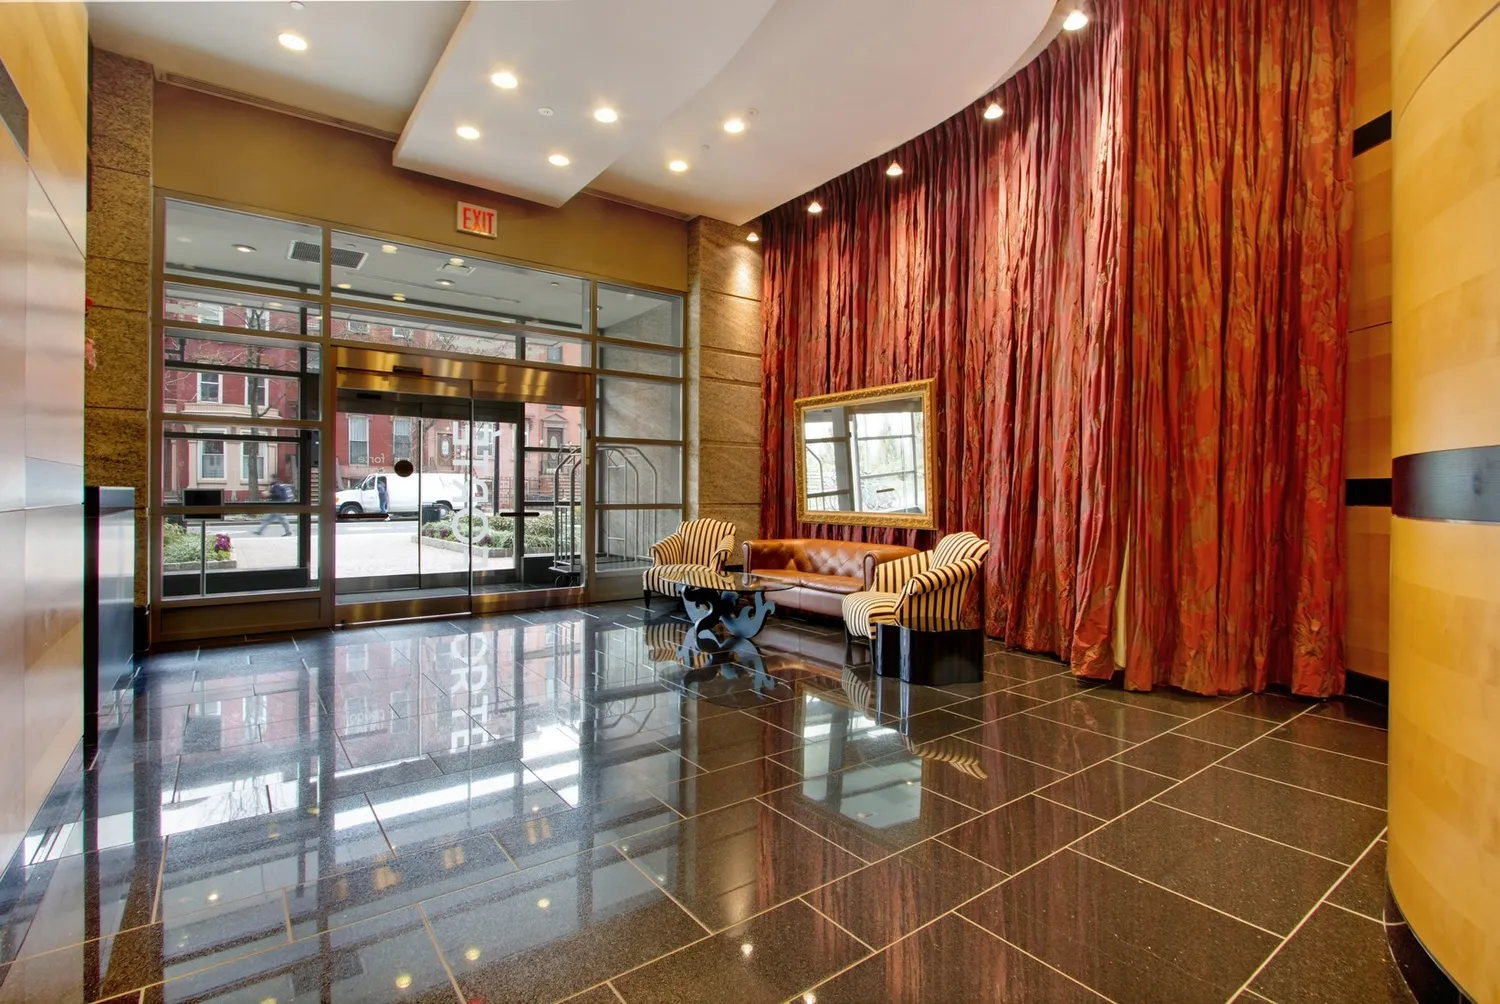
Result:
{"points": [[736, 600]]}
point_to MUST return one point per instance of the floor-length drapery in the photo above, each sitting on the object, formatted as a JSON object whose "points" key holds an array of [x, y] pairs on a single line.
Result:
{"points": [[1242, 207], [1131, 290]]}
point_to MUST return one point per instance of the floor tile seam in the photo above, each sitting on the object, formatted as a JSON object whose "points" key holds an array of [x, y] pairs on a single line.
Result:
{"points": [[1147, 770], [1072, 808], [662, 888], [1035, 958], [1306, 917], [286, 914], [1141, 707], [1251, 833], [874, 953], [1314, 791], [1093, 732], [496, 841], [855, 855], [1357, 913], [612, 989], [1351, 721], [442, 956], [1323, 749], [939, 839], [1037, 763], [1181, 895], [867, 946]]}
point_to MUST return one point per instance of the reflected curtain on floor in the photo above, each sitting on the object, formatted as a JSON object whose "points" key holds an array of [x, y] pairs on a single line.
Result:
{"points": [[1132, 292]]}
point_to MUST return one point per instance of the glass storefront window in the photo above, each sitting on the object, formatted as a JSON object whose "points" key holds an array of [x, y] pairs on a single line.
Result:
{"points": [[639, 409], [250, 311], [269, 551], [453, 283], [217, 244], [630, 360], [209, 463], [240, 377], [639, 315], [639, 475]]}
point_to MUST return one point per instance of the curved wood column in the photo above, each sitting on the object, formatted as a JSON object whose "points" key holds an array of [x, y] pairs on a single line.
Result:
{"points": [[1444, 858]]}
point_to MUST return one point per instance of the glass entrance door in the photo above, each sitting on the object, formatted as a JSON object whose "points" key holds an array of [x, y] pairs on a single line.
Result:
{"points": [[453, 495], [407, 503]]}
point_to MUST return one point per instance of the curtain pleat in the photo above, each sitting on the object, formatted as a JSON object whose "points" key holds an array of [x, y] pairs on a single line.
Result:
{"points": [[1132, 293]]}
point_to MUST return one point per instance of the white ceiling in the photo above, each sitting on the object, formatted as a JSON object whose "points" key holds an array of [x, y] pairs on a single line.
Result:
{"points": [[824, 85]]}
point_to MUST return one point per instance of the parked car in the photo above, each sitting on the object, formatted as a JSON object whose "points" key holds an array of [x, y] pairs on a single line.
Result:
{"points": [[405, 496]]}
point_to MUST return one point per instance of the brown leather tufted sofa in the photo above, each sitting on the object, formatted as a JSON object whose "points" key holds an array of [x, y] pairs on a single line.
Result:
{"points": [[823, 571]]}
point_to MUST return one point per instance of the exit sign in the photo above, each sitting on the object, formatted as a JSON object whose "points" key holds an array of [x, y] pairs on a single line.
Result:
{"points": [[474, 219]]}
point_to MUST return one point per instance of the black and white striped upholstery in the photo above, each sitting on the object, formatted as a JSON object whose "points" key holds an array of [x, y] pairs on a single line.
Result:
{"points": [[924, 591], [698, 543]]}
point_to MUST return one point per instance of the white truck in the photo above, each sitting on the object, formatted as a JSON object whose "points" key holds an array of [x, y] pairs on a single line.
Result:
{"points": [[405, 496]]}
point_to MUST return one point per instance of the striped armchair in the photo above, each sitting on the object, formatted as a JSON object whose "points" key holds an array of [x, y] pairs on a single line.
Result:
{"points": [[698, 543], [924, 591]]}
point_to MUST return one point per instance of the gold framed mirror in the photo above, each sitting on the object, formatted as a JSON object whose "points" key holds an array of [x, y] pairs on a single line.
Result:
{"points": [[866, 457]]}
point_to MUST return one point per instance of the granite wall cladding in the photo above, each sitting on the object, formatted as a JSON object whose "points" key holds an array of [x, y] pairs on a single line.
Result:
{"points": [[724, 375], [117, 394]]}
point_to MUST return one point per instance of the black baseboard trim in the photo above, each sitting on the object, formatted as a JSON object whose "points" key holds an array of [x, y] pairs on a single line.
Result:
{"points": [[1426, 979], [1372, 133], [1367, 688]]}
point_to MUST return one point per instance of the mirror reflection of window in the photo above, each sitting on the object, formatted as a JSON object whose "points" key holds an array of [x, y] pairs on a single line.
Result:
{"points": [[866, 457]]}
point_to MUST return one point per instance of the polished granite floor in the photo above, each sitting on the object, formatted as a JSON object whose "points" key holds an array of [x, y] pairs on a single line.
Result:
{"points": [[547, 806]]}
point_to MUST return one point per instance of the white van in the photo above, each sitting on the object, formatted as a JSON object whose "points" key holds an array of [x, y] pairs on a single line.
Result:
{"points": [[446, 491]]}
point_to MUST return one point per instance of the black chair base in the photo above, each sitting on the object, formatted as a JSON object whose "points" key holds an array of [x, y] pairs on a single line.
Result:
{"points": [[928, 658]]}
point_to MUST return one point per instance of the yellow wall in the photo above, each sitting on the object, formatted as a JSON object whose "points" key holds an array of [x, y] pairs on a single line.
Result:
{"points": [[1367, 414], [232, 152], [44, 48], [1444, 857]]}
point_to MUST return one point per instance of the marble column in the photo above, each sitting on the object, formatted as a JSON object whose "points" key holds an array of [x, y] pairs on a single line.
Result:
{"points": [[724, 375], [117, 393]]}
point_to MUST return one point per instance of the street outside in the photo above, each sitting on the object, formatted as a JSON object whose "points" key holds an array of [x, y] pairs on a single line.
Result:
{"points": [[361, 549]]}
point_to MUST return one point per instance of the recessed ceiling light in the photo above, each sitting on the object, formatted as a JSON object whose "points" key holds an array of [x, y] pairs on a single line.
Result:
{"points": [[274, 305], [734, 125], [678, 165], [813, 207], [558, 160], [557, 284], [455, 261], [753, 238], [399, 296], [290, 41], [993, 112], [244, 248], [505, 80], [346, 285], [297, 4], [1075, 20], [445, 282], [467, 132], [389, 248], [544, 110], [606, 114], [894, 170]]}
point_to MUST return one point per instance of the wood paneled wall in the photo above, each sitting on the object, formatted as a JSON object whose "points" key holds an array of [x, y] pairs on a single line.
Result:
{"points": [[1367, 417], [43, 185], [1444, 853]]}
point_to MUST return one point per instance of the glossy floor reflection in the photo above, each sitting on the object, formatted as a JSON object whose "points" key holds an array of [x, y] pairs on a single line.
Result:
{"points": [[547, 805]]}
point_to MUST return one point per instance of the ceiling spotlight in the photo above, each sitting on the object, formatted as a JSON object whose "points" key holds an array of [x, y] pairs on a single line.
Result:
{"points": [[544, 110], [244, 248], [290, 41], [558, 160], [505, 80], [467, 132], [555, 283], [1075, 20], [734, 125], [894, 170], [445, 282], [297, 4], [753, 237], [346, 285], [993, 112], [401, 297], [606, 114], [389, 248], [813, 207], [274, 305], [677, 165], [455, 261]]}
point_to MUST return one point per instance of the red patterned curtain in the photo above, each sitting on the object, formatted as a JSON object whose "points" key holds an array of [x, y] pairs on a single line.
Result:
{"points": [[1132, 292], [1242, 208]]}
